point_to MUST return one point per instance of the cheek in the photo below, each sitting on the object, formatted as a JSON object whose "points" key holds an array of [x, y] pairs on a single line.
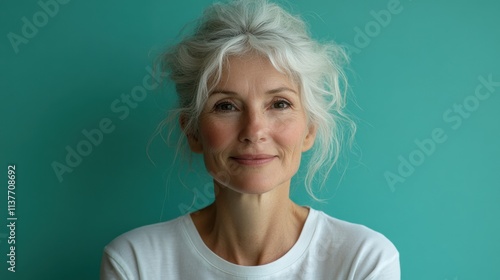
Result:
{"points": [[214, 135], [290, 133]]}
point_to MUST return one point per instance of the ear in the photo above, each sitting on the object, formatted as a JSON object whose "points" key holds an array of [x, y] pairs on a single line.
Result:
{"points": [[310, 137], [193, 140]]}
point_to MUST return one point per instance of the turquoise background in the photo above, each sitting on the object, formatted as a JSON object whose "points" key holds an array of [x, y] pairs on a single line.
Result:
{"points": [[443, 217]]}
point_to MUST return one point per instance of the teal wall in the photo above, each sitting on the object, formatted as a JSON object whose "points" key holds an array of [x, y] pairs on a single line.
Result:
{"points": [[425, 171]]}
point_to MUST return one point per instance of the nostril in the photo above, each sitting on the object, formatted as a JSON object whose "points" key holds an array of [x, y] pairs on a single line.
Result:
{"points": [[253, 126]]}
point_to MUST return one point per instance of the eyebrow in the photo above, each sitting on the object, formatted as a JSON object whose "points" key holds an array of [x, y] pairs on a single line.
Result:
{"points": [[280, 89], [272, 91]]}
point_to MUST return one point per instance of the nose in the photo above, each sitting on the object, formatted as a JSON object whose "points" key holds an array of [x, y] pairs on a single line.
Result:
{"points": [[253, 127]]}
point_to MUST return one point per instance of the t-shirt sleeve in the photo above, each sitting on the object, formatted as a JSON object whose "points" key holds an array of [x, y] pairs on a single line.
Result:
{"points": [[112, 267], [387, 269], [387, 262], [371, 255]]}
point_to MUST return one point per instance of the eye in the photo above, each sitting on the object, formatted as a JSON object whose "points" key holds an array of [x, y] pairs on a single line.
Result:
{"points": [[224, 106], [281, 104]]}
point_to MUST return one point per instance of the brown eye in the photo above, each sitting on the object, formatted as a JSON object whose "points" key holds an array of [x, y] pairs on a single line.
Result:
{"points": [[281, 104], [224, 106]]}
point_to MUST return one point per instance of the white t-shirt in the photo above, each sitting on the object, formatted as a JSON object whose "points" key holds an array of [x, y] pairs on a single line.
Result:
{"points": [[327, 248]]}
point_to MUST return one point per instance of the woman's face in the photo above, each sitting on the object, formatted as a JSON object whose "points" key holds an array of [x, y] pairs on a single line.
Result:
{"points": [[253, 128]]}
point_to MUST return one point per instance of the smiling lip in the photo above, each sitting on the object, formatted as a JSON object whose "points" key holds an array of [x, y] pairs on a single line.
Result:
{"points": [[253, 159]]}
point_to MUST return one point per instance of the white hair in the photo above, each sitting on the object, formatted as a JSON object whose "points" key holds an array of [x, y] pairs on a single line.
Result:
{"points": [[240, 27]]}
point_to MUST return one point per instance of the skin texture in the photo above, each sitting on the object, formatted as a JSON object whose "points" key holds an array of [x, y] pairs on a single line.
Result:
{"points": [[252, 133]]}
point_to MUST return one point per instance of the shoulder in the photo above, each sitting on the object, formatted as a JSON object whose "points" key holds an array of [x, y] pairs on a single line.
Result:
{"points": [[351, 234], [148, 237], [366, 251], [136, 253]]}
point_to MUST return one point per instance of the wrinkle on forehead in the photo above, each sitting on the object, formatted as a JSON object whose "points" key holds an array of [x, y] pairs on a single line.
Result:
{"points": [[226, 74]]}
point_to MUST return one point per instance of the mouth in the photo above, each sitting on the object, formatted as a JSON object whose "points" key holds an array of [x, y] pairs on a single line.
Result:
{"points": [[253, 160]]}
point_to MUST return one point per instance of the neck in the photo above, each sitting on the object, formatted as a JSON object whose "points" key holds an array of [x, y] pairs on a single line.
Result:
{"points": [[251, 229]]}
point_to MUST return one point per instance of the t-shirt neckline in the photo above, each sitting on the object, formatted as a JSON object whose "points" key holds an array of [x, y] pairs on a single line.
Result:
{"points": [[293, 255]]}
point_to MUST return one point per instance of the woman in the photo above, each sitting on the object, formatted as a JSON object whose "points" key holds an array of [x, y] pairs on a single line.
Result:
{"points": [[255, 93]]}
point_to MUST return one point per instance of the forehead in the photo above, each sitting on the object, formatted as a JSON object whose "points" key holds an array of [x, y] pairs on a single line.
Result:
{"points": [[252, 70]]}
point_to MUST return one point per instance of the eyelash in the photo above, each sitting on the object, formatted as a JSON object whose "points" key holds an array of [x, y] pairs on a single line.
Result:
{"points": [[217, 106], [287, 103]]}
